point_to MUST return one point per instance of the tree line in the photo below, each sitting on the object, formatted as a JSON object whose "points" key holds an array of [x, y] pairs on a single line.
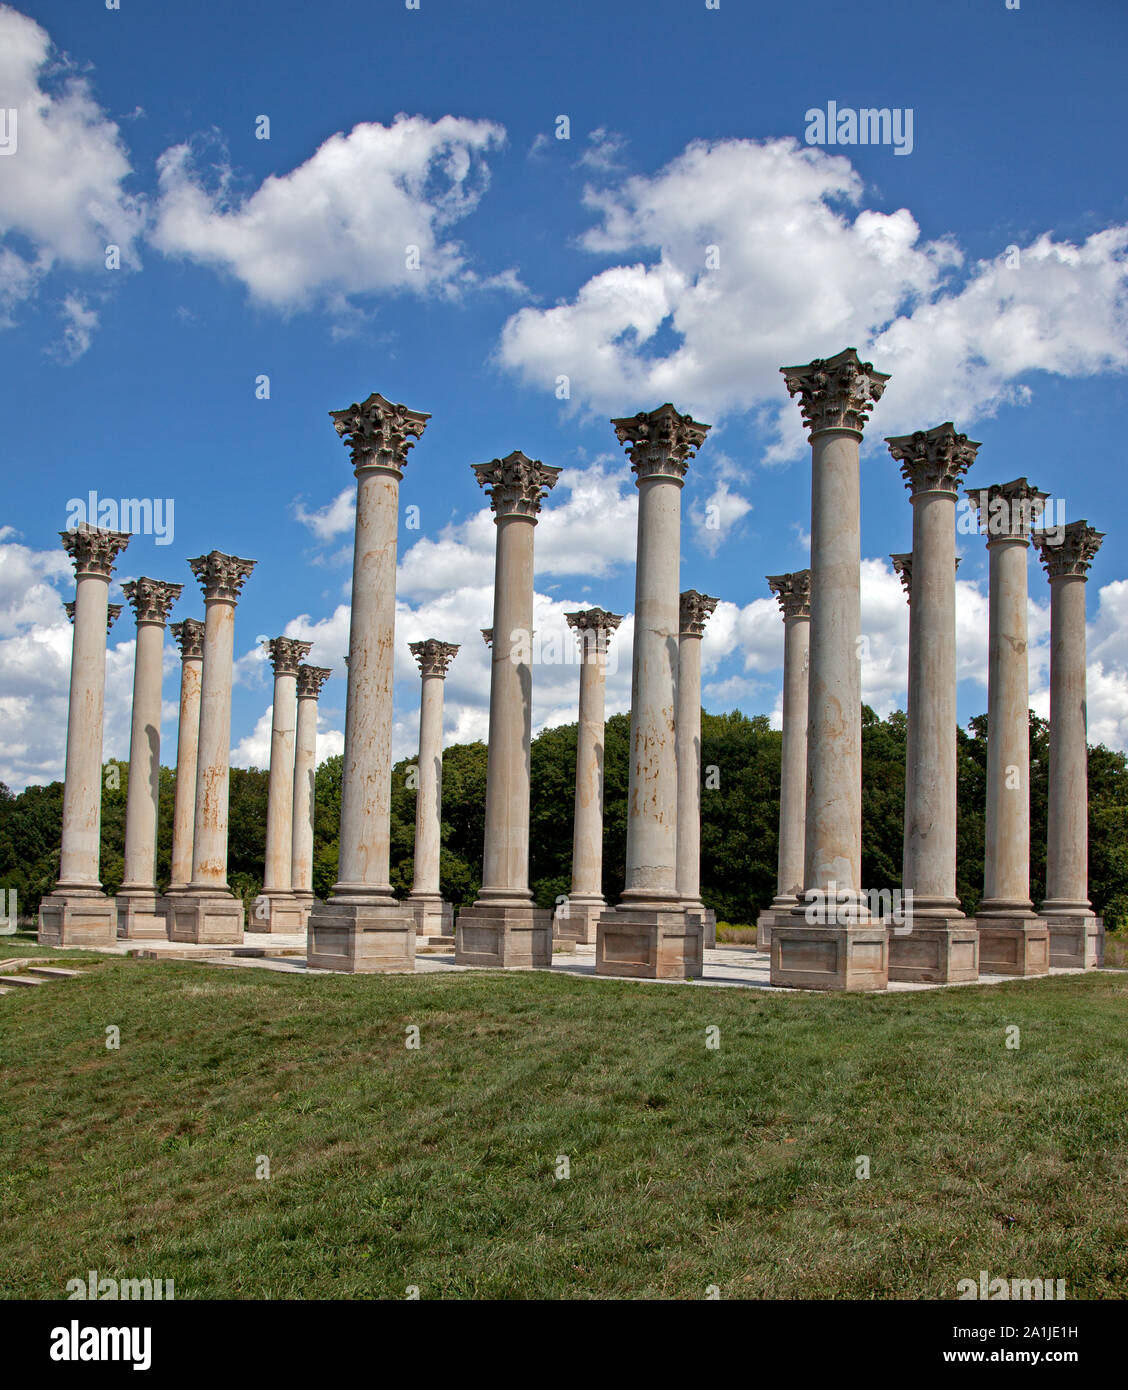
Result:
{"points": [[739, 818]]}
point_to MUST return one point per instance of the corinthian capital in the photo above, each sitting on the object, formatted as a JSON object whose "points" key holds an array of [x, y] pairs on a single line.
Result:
{"points": [[487, 635], [287, 654], [189, 637], [378, 432], [933, 460], [433, 656], [1008, 511], [903, 566], [311, 679], [836, 393], [660, 443], [593, 628], [221, 576], [793, 592], [1069, 549], [113, 613], [695, 610], [516, 484], [151, 599], [93, 550]]}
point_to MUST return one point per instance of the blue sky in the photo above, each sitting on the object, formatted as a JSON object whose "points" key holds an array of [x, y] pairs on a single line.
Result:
{"points": [[540, 258]]}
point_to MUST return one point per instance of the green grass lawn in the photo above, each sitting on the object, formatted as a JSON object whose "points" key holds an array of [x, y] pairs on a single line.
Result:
{"points": [[436, 1167]]}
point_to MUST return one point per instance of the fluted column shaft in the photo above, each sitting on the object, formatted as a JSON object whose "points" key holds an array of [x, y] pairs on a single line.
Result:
{"points": [[305, 773], [793, 762], [142, 798], [688, 743], [187, 745], [285, 654], [1067, 848], [428, 796], [209, 830], [82, 787], [587, 827]]}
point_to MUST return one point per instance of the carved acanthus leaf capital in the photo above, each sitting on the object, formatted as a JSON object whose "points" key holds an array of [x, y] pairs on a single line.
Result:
{"points": [[1068, 550], [311, 679], [593, 628], [487, 636], [113, 613], [793, 592], [287, 654], [378, 432], [516, 484], [1009, 511], [189, 636], [660, 443], [221, 576], [694, 612], [933, 460], [151, 599], [433, 656], [92, 549], [836, 393], [903, 566]]}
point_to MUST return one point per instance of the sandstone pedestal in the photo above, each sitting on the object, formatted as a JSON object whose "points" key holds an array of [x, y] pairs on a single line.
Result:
{"points": [[710, 928], [361, 938], [504, 936], [843, 957], [936, 952], [77, 919], [207, 919], [433, 915], [142, 916], [577, 921], [1013, 946], [662, 943], [1076, 943]]}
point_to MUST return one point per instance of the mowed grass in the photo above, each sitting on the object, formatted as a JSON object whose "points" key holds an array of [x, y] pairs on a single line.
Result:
{"points": [[436, 1167]]}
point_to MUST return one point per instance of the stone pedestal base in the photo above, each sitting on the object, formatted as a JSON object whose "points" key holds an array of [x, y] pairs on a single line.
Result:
{"points": [[433, 916], [510, 937], [650, 943], [1013, 946], [362, 938], [279, 913], [854, 957], [771, 917], [142, 917], [577, 921], [77, 919], [1076, 942], [710, 927], [936, 951], [210, 919]]}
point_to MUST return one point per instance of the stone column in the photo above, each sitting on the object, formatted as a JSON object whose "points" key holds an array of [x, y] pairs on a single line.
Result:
{"points": [[77, 912], [113, 613], [936, 942], [1013, 940], [696, 609], [502, 927], [433, 916], [141, 911], [208, 911], [310, 681], [1076, 932], [577, 916], [277, 910], [831, 941], [363, 928], [190, 637], [794, 594], [650, 934]]}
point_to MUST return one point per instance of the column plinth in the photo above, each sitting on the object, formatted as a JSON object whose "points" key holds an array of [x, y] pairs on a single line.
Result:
{"points": [[310, 681], [830, 942], [649, 934], [502, 927], [141, 911], [433, 916], [1076, 933], [363, 928], [77, 912], [189, 636], [794, 594], [577, 918], [695, 610], [208, 911], [277, 910], [937, 943], [1012, 938]]}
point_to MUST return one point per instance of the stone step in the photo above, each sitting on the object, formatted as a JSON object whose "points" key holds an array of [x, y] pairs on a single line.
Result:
{"points": [[434, 943], [24, 980], [54, 972]]}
